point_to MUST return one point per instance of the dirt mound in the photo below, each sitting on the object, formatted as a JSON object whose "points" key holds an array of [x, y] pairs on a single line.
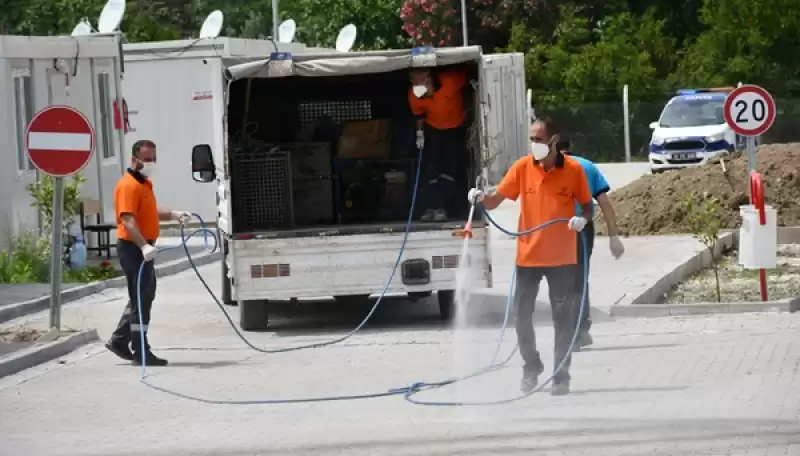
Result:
{"points": [[653, 203]]}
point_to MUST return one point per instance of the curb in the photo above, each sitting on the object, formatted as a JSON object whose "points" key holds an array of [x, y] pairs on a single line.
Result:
{"points": [[24, 308], [655, 293], [32, 356], [668, 310]]}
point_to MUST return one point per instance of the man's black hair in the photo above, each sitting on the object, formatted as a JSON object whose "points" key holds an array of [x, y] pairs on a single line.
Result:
{"points": [[549, 124], [137, 146]]}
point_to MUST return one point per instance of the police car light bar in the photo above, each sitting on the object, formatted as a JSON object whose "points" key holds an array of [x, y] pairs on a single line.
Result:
{"points": [[709, 90]]}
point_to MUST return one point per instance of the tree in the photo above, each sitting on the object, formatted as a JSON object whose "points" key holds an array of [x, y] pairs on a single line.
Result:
{"points": [[745, 40], [702, 212], [319, 21]]}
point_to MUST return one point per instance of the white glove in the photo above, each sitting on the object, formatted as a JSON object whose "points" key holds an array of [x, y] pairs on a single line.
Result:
{"points": [[475, 196], [181, 216], [148, 252], [577, 223], [616, 247], [420, 139]]}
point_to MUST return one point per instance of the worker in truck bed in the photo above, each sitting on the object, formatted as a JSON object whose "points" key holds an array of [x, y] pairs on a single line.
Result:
{"points": [[436, 98]]}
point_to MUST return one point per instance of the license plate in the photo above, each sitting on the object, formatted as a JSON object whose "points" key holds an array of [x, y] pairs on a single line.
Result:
{"points": [[684, 156]]}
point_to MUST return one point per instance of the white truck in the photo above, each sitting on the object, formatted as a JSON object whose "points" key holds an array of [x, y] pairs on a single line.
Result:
{"points": [[314, 161]]}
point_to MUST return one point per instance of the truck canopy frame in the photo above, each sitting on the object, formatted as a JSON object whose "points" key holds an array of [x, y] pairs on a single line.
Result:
{"points": [[351, 63]]}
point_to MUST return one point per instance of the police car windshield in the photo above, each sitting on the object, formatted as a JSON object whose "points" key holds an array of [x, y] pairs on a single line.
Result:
{"points": [[693, 111]]}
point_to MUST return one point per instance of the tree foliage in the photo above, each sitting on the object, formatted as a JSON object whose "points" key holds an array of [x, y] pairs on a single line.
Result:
{"points": [[579, 53]]}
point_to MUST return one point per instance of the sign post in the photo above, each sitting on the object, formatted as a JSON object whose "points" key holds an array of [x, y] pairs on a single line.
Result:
{"points": [[60, 142], [750, 111]]}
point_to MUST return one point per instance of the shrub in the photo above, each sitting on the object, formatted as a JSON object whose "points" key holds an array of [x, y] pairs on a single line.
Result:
{"points": [[27, 260]]}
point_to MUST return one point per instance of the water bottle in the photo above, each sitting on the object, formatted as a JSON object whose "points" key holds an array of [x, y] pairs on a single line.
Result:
{"points": [[77, 255]]}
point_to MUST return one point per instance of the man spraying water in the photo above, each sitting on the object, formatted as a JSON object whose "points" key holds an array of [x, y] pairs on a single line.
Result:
{"points": [[547, 184]]}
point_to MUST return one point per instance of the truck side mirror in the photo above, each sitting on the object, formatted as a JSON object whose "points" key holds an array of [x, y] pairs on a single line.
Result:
{"points": [[653, 125], [203, 169]]}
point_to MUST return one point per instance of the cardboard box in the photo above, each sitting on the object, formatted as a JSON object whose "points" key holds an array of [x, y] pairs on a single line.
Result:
{"points": [[365, 139]]}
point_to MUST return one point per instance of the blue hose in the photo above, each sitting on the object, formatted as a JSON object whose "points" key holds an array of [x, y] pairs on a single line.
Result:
{"points": [[408, 391]]}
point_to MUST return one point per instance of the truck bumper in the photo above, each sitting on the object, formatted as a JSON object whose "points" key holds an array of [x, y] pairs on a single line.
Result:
{"points": [[320, 267]]}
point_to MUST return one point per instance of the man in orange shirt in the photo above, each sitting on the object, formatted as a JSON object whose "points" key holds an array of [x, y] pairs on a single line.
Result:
{"points": [[547, 184], [438, 102], [138, 227]]}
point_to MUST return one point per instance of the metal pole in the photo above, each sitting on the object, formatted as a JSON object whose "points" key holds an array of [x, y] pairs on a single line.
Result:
{"points": [[751, 162], [626, 123], [55, 254], [464, 40], [275, 18]]}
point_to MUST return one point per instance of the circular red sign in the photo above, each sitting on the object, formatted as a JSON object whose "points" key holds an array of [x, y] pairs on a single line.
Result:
{"points": [[749, 110], [59, 141]]}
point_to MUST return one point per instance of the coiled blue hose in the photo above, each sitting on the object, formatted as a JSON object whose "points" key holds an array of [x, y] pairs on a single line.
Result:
{"points": [[407, 391]]}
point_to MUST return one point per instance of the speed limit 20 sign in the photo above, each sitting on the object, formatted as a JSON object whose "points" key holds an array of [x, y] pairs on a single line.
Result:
{"points": [[749, 110]]}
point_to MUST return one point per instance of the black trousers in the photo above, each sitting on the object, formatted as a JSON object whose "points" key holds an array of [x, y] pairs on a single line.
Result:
{"points": [[588, 236], [564, 302], [442, 168], [129, 329]]}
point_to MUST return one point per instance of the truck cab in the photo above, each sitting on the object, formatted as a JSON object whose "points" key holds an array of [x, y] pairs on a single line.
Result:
{"points": [[314, 161], [691, 130]]}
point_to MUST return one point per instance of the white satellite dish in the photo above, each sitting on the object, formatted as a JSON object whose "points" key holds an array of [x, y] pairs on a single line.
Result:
{"points": [[286, 31], [212, 25], [346, 38], [111, 16], [83, 28]]}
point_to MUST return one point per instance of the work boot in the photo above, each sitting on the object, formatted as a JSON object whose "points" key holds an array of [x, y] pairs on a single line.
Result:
{"points": [[530, 380], [123, 352], [149, 359], [560, 388]]}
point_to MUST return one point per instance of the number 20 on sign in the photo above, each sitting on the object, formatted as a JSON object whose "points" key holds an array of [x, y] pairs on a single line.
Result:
{"points": [[749, 110]]}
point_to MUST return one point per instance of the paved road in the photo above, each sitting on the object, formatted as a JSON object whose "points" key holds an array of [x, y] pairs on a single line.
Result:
{"points": [[673, 386]]}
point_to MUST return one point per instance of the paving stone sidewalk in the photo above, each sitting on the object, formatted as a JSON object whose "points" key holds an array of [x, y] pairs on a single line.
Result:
{"points": [[725, 384]]}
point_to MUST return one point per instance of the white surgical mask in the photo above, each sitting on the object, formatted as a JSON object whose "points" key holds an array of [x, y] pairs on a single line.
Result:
{"points": [[539, 150], [419, 90], [148, 169]]}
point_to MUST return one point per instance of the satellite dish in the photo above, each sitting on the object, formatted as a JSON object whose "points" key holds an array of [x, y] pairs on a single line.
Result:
{"points": [[346, 38], [212, 25], [286, 31], [83, 28], [111, 16]]}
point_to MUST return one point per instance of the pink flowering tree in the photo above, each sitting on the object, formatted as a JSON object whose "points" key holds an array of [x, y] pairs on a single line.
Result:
{"points": [[431, 22], [438, 22]]}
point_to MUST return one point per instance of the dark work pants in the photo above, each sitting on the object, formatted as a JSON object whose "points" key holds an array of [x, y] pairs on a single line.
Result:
{"points": [[588, 236], [129, 330], [564, 302], [442, 163]]}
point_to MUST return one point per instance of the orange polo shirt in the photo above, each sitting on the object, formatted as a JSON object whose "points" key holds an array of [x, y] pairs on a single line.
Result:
{"points": [[134, 195], [544, 196], [444, 109]]}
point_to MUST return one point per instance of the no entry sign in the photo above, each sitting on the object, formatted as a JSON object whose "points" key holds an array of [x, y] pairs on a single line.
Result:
{"points": [[59, 141], [749, 110]]}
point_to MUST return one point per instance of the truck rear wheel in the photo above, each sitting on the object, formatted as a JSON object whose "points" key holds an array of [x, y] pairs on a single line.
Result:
{"points": [[447, 304], [253, 315]]}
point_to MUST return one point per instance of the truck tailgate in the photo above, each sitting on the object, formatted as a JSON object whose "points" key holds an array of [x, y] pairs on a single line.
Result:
{"points": [[306, 267]]}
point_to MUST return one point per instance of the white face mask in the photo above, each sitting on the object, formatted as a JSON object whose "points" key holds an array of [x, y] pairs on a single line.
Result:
{"points": [[539, 150], [148, 169], [420, 90]]}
